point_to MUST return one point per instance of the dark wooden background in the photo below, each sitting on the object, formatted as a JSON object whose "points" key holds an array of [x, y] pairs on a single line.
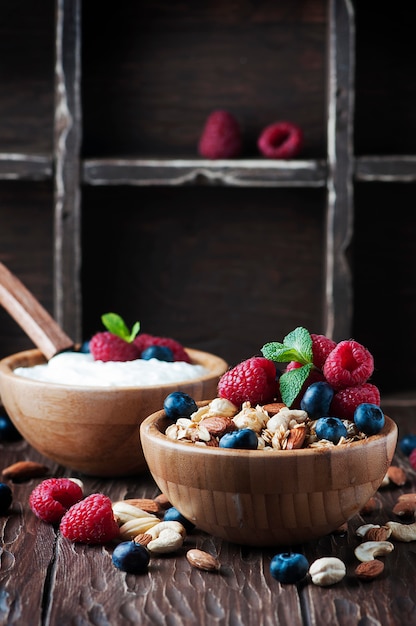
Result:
{"points": [[220, 269]]}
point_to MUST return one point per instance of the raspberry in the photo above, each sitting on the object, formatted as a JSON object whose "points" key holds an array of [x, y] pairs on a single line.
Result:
{"points": [[144, 341], [221, 137], [281, 140], [321, 347], [106, 346], [348, 365], [51, 499], [412, 459], [345, 401], [90, 521], [253, 380]]}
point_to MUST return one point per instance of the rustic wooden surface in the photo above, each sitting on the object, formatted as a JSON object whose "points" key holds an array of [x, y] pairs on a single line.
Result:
{"points": [[46, 581]]}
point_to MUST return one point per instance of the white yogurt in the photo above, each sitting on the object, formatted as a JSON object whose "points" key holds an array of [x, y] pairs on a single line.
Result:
{"points": [[76, 368]]}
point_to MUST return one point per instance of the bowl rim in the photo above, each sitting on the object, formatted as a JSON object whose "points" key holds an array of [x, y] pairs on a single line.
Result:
{"points": [[7, 372], [150, 428]]}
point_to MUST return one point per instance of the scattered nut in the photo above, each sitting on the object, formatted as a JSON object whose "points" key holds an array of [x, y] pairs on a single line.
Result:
{"points": [[397, 475], [382, 533], [143, 539], [370, 506], [368, 570], [362, 530], [163, 501], [166, 537], [145, 504], [368, 550], [202, 560], [124, 512], [24, 470], [137, 526], [405, 508], [327, 571], [402, 532]]}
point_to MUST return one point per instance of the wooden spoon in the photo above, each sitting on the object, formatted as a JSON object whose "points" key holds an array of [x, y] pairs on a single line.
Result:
{"points": [[22, 305]]}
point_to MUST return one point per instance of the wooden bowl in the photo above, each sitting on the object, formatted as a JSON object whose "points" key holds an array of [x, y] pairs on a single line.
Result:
{"points": [[267, 498], [94, 430]]}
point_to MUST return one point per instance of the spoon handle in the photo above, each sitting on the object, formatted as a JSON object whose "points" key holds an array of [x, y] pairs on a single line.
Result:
{"points": [[30, 315]]}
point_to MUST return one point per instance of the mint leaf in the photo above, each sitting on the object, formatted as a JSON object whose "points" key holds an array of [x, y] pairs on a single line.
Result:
{"points": [[116, 325], [296, 346], [291, 383]]}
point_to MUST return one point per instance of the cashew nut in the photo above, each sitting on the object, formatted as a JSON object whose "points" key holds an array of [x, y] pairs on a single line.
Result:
{"points": [[402, 532], [167, 537], [368, 550], [327, 570]]}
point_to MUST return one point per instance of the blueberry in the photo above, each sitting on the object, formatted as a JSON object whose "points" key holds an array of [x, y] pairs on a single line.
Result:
{"points": [[330, 428], [243, 439], [161, 353], [369, 418], [85, 347], [317, 399], [289, 567], [6, 498], [179, 404], [8, 432], [173, 515], [408, 444], [131, 557]]}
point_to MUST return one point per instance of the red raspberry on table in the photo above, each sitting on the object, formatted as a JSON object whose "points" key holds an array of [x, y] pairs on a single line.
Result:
{"points": [[90, 521], [106, 346], [345, 401], [145, 340], [221, 137], [321, 347], [281, 140], [253, 380], [51, 499], [349, 364]]}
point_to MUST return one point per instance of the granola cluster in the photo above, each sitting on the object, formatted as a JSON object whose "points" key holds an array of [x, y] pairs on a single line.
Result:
{"points": [[277, 426]]}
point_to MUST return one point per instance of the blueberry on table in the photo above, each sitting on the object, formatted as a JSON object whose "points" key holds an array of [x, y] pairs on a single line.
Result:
{"points": [[8, 432], [173, 515], [6, 498], [131, 557], [331, 429], [408, 444], [161, 353], [179, 404], [369, 418], [243, 439], [289, 567], [317, 399]]}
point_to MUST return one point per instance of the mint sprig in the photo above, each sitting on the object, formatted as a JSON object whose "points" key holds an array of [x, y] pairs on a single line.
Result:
{"points": [[116, 325], [296, 346]]}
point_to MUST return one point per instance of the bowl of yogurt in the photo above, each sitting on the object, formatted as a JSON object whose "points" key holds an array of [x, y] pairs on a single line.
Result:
{"points": [[85, 415]]}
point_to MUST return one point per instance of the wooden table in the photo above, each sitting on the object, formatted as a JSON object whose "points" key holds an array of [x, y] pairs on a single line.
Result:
{"points": [[45, 580]]}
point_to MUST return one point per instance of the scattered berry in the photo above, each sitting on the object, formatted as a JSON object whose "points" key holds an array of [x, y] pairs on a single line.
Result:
{"points": [[8, 431], [345, 401], [179, 404], [348, 365], [6, 498], [408, 444], [242, 439], [281, 140], [221, 137], [90, 521], [321, 347], [106, 346], [131, 557], [369, 418], [173, 515], [253, 380], [161, 353], [331, 429], [317, 399], [144, 341], [412, 459], [51, 499], [289, 567]]}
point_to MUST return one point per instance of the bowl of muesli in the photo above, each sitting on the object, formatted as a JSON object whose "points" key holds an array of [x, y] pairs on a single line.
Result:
{"points": [[267, 496]]}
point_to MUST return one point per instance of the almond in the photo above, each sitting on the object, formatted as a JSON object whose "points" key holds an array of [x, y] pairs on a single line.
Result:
{"points": [[163, 501], [24, 470], [407, 497], [202, 560], [370, 506], [405, 508], [218, 425], [146, 504], [273, 407], [143, 539], [378, 534], [369, 569], [397, 475], [296, 437]]}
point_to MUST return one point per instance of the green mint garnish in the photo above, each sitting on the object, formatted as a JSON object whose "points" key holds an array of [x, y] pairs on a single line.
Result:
{"points": [[116, 325], [296, 346]]}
